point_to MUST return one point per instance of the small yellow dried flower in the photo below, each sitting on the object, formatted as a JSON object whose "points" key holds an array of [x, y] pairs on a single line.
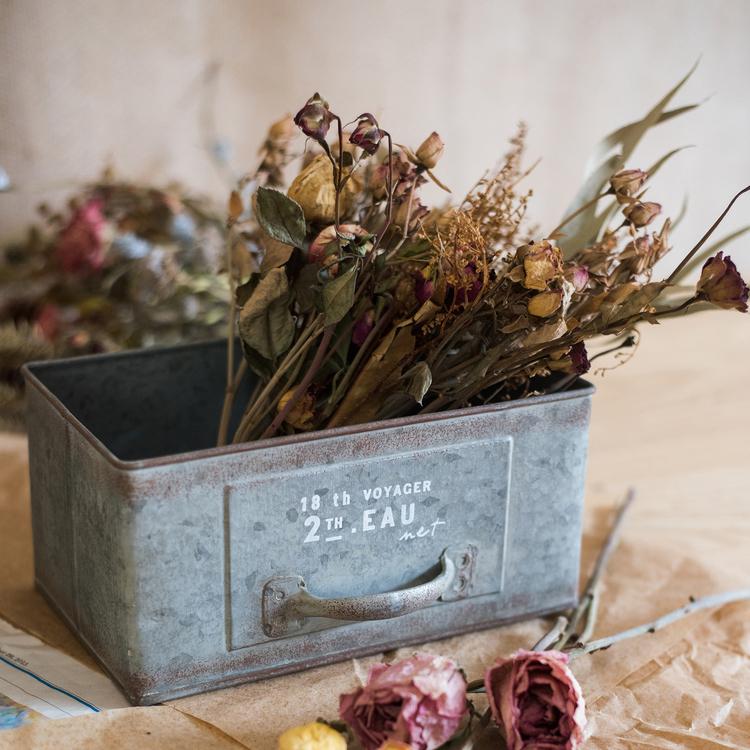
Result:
{"points": [[545, 304], [394, 745], [314, 736], [301, 414]]}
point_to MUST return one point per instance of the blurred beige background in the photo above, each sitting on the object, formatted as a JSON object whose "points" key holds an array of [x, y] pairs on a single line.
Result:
{"points": [[87, 82]]}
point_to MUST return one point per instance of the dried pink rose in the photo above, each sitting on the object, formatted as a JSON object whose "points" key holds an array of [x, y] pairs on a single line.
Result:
{"points": [[80, 244], [537, 701], [578, 276], [420, 700], [721, 284]]}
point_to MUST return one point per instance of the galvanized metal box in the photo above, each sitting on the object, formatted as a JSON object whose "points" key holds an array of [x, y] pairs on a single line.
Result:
{"points": [[185, 568]]}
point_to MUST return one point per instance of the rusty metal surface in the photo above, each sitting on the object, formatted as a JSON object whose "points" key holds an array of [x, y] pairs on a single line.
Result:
{"points": [[156, 547]]}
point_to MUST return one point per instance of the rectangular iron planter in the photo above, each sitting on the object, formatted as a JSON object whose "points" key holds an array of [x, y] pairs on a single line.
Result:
{"points": [[184, 567]]}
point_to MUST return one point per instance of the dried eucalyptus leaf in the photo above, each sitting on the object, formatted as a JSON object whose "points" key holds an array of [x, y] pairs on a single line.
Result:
{"points": [[265, 322], [338, 296], [281, 217], [418, 381]]}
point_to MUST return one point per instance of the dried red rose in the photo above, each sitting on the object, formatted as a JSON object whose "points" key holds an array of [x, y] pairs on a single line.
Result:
{"points": [[367, 135], [721, 284], [537, 701], [579, 358], [314, 119]]}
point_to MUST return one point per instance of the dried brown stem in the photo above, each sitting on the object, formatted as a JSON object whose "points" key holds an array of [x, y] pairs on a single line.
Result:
{"points": [[302, 387], [706, 236]]}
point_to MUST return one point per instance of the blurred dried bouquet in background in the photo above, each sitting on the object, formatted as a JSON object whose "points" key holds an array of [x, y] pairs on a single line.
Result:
{"points": [[123, 265], [369, 304]]}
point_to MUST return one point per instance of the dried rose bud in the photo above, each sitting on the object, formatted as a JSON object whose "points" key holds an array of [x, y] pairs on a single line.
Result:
{"points": [[545, 304], [429, 153], [578, 276], [721, 284], [314, 119], [364, 324], [627, 182], [579, 358], [640, 214], [423, 288], [542, 262], [348, 232], [367, 135]]}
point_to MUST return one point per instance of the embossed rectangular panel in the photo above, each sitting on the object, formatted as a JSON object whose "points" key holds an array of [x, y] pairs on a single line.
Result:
{"points": [[362, 527]]}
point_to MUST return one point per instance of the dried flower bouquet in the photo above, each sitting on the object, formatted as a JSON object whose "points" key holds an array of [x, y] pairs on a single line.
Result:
{"points": [[369, 305]]}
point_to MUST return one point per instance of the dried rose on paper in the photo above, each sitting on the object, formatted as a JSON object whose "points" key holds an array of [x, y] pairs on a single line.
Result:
{"points": [[537, 701], [420, 701]]}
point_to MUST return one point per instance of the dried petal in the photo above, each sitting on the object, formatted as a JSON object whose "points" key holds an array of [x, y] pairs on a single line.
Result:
{"points": [[546, 303]]}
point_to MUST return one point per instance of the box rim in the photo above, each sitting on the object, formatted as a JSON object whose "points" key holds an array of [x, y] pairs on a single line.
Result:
{"points": [[586, 391]]}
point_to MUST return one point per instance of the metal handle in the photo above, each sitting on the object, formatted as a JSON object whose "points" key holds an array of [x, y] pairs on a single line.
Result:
{"points": [[287, 603]]}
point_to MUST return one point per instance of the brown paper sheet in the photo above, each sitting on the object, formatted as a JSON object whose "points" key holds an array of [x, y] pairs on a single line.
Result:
{"points": [[673, 423]]}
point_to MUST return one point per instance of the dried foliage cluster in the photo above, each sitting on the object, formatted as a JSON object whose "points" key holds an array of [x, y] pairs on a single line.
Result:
{"points": [[123, 265], [370, 305]]}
